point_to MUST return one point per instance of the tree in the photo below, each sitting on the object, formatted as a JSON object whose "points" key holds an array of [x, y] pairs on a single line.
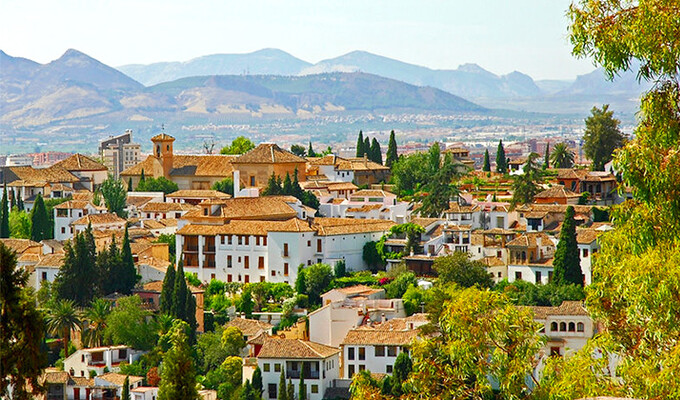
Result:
{"points": [[501, 160], [392, 155], [602, 136], [302, 388], [167, 292], [160, 184], [40, 223], [287, 185], [96, 315], [402, 369], [562, 156], [273, 186], [232, 341], [526, 185], [440, 189], [487, 164], [360, 145], [125, 395], [340, 269], [226, 185], [4, 215], [20, 224], [376, 152], [169, 239], [310, 150], [178, 376], [190, 318], [257, 381], [458, 268], [283, 395], [247, 302], [20, 203], [371, 256], [546, 158], [567, 263], [290, 390], [366, 147], [410, 173], [115, 196], [300, 281], [318, 277], [74, 279], [22, 331], [240, 145], [298, 150], [127, 276], [12, 199], [62, 319], [128, 323], [129, 186], [179, 294]]}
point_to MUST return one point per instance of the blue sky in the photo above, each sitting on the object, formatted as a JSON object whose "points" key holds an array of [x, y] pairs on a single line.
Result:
{"points": [[500, 35]]}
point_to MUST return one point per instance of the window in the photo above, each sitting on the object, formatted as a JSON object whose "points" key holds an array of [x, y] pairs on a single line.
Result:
{"points": [[285, 249], [538, 276], [271, 390], [580, 327], [285, 269], [572, 327], [212, 276], [240, 240], [247, 279], [391, 351], [262, 278], [350, 353], [277, 367], [550, 274], [362, 353], [553, 326], [380, 351], [246, 262], [63, 230], [229, 279], [362, 367], [257, 240], [229, 239], [315, 388], [563, 326], [555, 351], [318, 245], [247, 240], [229, 264], [44, 276], [388, 369], [309, 243], [585, 253], [264, 240], [260, 262], [350, 371], [273, 273], [265, 367], [518, 275]]}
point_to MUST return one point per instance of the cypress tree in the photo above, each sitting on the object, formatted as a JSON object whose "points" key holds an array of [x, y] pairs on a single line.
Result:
{"points": [[302, 389], [310, 150], [273, 186], [546, 162], [129, 184], [567, 264], [360, 145], [190, 314], [367, 148], [74, 280], [40, 222], [179, 295], [501, 161], [287, 185], [257, 381], [20, 203], [246, 392], [376, 152], [297, 189], [301, 281], [178, 376], [167, 291], [141, 178], [12, 199], [391, 156], [125, 395], [487, 163], [4, 215], [283, 395], [290, 390], [128, 273]]}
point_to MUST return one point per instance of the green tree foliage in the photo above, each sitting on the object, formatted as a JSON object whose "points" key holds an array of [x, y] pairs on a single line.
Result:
{"points": [[402, 369], [562, 156], [95, 323], [487, 163], [375, 152], [501, 160], [211, 354], [12, 199], [392, 154], [240, 145], [74, 280], [302, 387], [49, 206], [127, 274], [440, 190], [360, 145], [290, 188], [298, 150], [371, 256], [62, 318], [40, 221], [318, 278], [125, 395], [257, 382], [546, 158], [283, 395], [4, 215], [273, 186], [226, 185], [160, 184], [115, 195], [287, 184], [525, 293], [20, 224], [168, 238], [232, 341], [191, 316], [129, 184], [178, 375], [459, 269], [22, 330], [367, 147], [340, 269], [179, 294], [567, 263], [398, 287], [290, 390], [300, 281], [246, 303], [129, 324], [310, 150], [411, 173], [602, 136], [167, 292], [526, 185]]}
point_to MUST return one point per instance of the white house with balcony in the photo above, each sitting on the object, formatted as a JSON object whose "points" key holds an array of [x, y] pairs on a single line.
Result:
{"points": [[97, 359], [70, 211], [567, 327], [320, 365], [531, 257]]}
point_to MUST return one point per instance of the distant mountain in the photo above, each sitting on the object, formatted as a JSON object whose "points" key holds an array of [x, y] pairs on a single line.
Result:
{"points": [[76, 86], [596, 83], [262, 62]]}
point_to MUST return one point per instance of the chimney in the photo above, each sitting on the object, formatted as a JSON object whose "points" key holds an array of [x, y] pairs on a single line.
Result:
{"points": [[237, 182]]}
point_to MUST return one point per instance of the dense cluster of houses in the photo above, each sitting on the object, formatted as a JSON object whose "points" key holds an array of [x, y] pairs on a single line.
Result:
{"points": [[251, 238]]}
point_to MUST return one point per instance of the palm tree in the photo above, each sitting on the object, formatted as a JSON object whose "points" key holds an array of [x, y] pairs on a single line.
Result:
{"points": [[96, 322], [562, 156], [62, 319], [163, 323]]}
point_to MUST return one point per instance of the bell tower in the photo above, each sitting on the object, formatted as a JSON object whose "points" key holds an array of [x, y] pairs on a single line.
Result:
{"points": [[162, 149]]}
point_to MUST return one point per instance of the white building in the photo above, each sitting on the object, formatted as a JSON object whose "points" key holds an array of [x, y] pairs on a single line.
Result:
{"points": [[531, 258], [368, 204], [96, 359], [46, 270], [114, 382], [98, 222], [70, 211], [144, 393], [567, 327], [587, 246], [320, 365]]}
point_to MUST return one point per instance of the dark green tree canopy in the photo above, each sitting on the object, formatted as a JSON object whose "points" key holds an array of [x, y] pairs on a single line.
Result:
{"points": [[360, 145], [458, 268], [501, 160], [486, 167], [562, 156], [602, 136], [115, 195], [40, 221], [392, 155], [160, 184], [567, 263]]}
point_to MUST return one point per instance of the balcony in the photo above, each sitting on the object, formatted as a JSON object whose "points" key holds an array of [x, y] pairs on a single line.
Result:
{"points": [[209, 264], [190, 249], [209, 249], [296, 374]]}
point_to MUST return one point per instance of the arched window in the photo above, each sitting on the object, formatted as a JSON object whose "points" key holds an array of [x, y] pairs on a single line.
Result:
{"points": [[158, 150], [553, 326], [572, 327], [563, 326], [524, 256], [580, 327]]}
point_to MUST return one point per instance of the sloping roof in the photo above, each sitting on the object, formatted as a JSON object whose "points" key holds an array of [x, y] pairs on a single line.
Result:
{"points": [[566, 308], [27, 174], [557, 191], [51, 260], [163, 136], [157, 287], [248, 208], [360, 164], [53, 376], [530, 240], [137, 201], [249, 327], [402, 324], [79, 162], [345, 226], [372, 193], [356, 290], [215, 165], [454, 207], [19, 245], [246, 227], [158, 207], [77, 205], [365, 208], [268, 153], [328, 159], [294, 348], [425, 222], [119, 379], [587, 236], [95, 219], [380, 337], [554, 208], [201, 194]]}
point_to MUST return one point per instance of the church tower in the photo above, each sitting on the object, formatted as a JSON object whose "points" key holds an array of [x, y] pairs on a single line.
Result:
{"points": [[162, 149]]}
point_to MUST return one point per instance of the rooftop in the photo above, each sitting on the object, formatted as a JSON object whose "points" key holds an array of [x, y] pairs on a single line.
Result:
{"points": [[294, 348], [269, 153], [79, 162]]}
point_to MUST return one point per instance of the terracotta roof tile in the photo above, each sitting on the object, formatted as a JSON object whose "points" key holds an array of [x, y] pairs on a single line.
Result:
{"points": [[380, 337], [201, 194], [158, 207], [587, 236], [79, 162], [20, 245], [187, 165], [359, 164], [268, 153], [249, 327], [246, 227], [530, 240], [365, 208], [294, 348], [119, 379], [51, 261], [345, 226], [96, 219], [270, 207], [372, 193], [557, 191]]}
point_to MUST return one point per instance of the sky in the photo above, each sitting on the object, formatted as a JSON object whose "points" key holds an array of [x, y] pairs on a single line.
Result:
{"points": [[502, 36]]}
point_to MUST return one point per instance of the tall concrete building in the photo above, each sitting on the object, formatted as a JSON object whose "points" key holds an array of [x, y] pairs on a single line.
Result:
{"points": [[119, 152]]}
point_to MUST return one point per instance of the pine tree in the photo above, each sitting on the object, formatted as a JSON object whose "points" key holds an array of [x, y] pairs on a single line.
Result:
{"points": [[40, 222], [273, 186], [178, 376], [302, 388], [391, 156], [566, 263], [287, 186], [360, 145], [128, 273], [283, 395], [109, 261], [487, 163], [179, 302], [367, 148], [247, 392], [74, 280], [4, 215], [300, 281], [141, 178], [376, 152], [167, 291], [126, 389], [257, 381], [501, 161]]}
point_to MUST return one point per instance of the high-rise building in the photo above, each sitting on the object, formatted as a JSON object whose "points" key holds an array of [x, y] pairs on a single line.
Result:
{"points": [[119, 152]]}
